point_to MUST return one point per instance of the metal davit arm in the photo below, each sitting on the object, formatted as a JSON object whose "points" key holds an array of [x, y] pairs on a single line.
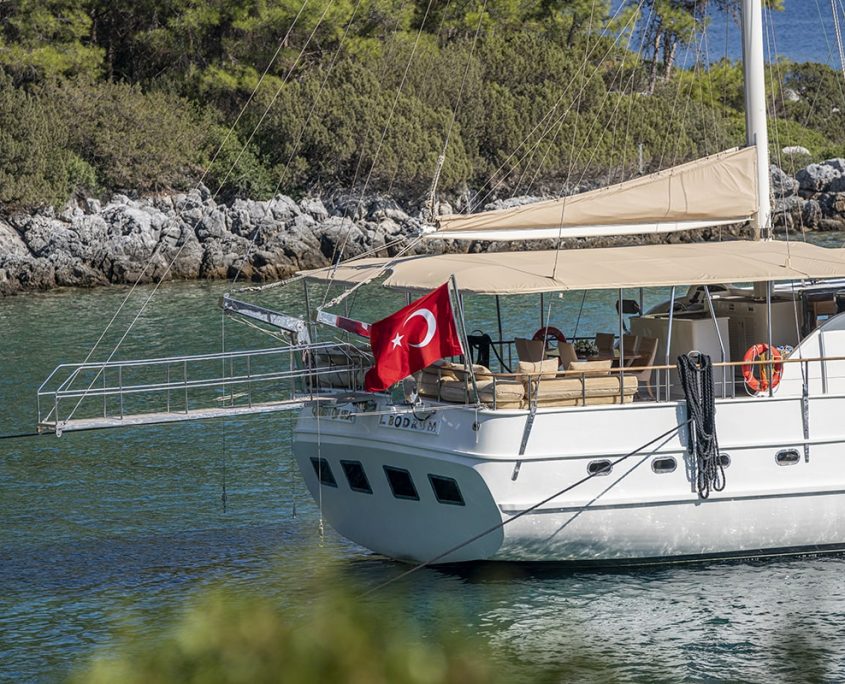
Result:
{"points": [[297, 327]]}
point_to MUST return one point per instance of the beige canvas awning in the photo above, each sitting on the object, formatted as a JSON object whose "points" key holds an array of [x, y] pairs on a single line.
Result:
{"points": [[599, 269], [712, 191]]}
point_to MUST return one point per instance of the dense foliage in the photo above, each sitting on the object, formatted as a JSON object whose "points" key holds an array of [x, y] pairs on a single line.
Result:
{"points": [[97, 96]]}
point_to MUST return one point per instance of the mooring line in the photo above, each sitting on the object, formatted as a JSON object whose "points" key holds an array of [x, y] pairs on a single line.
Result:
{"points": [[501, 524]]}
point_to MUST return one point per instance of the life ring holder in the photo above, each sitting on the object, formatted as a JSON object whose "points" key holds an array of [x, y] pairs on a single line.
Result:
{"points": [[549, 331], [756, 386]]}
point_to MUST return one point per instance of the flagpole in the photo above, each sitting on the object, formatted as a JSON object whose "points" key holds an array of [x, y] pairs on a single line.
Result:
{"points": [[463, 331]]}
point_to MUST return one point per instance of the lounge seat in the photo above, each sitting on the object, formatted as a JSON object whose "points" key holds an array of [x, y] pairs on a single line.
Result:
{"points": [[574, 391], [431, 379], [498, 393]]}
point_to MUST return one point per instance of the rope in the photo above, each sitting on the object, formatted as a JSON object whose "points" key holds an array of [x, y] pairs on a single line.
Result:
{"points": [[528, 510], [193, 227], [23, 435], [301, 131], [339, 251], [696, 371]]}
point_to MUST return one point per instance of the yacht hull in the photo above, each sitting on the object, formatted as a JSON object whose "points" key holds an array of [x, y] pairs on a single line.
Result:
{"points": [[779, 497]]}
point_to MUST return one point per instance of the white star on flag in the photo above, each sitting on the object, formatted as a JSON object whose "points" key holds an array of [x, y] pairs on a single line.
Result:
{"points": [[397, 340]]}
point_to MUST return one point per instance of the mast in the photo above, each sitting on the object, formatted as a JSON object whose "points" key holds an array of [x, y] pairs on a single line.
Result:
{"points": [[756, 129]]}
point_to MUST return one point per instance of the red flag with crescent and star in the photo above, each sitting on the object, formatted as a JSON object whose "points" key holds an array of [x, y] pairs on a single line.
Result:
{"points": [[411, 339]]}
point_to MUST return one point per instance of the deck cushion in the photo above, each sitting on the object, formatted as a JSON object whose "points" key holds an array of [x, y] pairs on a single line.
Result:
{"points": [[531, 370], [594, 387], [504, 393]]}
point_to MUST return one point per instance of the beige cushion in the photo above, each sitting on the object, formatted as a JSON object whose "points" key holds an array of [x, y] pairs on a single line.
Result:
{"points": [[530, 350], [592, 368], [567, 354], [531, 370], [571, 388], [507, 394]]}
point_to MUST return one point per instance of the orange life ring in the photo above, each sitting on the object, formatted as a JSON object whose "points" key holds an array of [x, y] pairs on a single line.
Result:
{"points": [[550, 331], [754, 353]]}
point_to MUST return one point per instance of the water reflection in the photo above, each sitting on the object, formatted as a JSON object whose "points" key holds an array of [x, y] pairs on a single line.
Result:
{"points": [[100, 529]]}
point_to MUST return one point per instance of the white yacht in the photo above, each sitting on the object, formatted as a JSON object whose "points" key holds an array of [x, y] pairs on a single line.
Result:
{"points": [[595, 451]]}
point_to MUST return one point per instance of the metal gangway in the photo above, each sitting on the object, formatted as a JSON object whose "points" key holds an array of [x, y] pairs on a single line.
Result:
{"points": [[87, 396]]}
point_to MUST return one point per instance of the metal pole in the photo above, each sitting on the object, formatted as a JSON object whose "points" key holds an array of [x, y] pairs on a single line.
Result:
{"points": [[120, 382], [312, 329], [719, 336], [542, 307], [499, 326], [669, 343], [756, 133], [769, 333], [621, 349], [463, 332]]}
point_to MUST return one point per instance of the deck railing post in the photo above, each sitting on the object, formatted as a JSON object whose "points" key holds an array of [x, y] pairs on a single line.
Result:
{"points": [[120, 385], [621, 346], [721, 342], [168, 388], [185, 381], [249, 380], [669, 345]]}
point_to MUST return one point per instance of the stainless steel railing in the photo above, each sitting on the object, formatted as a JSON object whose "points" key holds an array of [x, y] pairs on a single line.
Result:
{"points": [[90, 395]]}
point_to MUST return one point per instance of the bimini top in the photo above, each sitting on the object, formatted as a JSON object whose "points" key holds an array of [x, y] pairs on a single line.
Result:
{"points": [[608, 268], [712, 191]]}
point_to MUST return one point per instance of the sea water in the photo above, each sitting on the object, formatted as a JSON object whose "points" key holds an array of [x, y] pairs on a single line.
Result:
{"points": [[802, 32], [104, 529]]}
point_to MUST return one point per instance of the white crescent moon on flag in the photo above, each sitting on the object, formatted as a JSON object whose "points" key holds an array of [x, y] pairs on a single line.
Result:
{"points": [[431, 329]]}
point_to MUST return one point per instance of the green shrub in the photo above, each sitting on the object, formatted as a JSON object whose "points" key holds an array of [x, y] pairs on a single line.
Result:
{"points": [[36, 166]]}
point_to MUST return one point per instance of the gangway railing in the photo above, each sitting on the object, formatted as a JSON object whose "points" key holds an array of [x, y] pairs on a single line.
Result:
{"points": [[93, 395]]}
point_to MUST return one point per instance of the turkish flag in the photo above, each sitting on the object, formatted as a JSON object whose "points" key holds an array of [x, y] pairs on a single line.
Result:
{"points": [[411, 339]]}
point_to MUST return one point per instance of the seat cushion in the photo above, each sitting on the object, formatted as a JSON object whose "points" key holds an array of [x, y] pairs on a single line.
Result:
{"points": [[504, 393], [432, 376], [571, 388], [592, 368], [531, 370]]}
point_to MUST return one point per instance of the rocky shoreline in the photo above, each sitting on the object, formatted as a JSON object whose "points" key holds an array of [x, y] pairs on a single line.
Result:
{"points": [[88, 243]]}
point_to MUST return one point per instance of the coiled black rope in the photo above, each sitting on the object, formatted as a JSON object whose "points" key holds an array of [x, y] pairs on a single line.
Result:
{"points": [[696, 371]]}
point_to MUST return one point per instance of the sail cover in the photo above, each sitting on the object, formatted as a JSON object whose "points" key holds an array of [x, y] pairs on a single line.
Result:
{"points": [[712, 191]]}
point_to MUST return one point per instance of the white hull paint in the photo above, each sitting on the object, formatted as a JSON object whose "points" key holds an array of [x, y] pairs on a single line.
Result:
{"points": [[632, 514]]}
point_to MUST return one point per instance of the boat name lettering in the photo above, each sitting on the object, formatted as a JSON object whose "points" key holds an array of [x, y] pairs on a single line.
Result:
{"points": [[335, 413], [403, 421]]}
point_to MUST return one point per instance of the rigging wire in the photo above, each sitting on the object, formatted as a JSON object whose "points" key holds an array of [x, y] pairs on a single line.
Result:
{"points": [[475, 201], [185, 242], [493, 528], [205, 172], [300, 134], [442, 158], [345, 239]]}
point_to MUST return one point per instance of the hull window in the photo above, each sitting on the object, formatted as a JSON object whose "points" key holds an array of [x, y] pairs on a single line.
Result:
{"points": [[787, 457], [401, 483], [356, 477], [664, 465], [446, 490], [323, 471], [602, 467], [724, 460]]}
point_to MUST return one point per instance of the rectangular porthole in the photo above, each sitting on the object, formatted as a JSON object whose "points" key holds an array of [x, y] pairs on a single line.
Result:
{"points": [[787, 457], [401, 483], [446, 490], [356, 477], [602, 467], [664, 465], [323, 471]]}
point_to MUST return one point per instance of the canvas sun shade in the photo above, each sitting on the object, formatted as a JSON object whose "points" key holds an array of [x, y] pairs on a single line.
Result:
{"points": [[716, 190], [597, 269]]}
